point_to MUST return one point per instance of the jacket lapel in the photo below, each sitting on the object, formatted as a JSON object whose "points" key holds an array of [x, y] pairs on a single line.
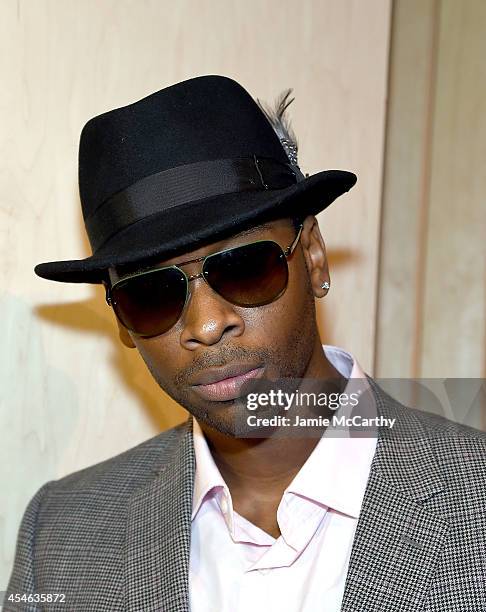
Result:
{"points": [[397, 540], [159, 532]]}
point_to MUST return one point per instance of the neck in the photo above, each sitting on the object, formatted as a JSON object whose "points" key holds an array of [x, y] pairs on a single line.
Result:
{"points": [[260, 469]]}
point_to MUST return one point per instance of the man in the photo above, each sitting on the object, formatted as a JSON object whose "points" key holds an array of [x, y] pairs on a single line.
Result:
{"points": [[204, 236]]}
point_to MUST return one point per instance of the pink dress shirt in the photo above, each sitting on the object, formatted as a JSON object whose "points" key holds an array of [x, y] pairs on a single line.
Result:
{"points": [[237, 567]]}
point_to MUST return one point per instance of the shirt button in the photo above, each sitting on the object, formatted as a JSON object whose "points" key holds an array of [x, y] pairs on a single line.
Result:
{"points": [[224, 505]]}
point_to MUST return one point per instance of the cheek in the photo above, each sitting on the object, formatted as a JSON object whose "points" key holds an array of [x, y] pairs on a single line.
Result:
{"points": [[162, 355], [293, 313], [298, 299]]}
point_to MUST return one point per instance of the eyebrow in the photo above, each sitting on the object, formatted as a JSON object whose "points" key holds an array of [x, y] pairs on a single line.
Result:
{"points": [[252, 230]]}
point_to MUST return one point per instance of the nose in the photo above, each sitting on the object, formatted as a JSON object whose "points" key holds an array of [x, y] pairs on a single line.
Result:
{"points": [[208, 318]]}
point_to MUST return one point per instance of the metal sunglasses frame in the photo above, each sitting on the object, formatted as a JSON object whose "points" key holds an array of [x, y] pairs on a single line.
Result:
{"points": [[117, 280]]}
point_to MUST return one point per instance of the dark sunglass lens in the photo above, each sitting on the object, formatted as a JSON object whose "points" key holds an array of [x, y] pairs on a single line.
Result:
{"points": [[151, 303], [251, 275]]}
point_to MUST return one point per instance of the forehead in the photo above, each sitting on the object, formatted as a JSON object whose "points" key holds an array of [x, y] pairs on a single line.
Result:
{"points": [[247, 235]]}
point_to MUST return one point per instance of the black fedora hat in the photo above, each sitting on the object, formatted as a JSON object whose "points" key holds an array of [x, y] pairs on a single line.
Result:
{"points": [[185, 166]]}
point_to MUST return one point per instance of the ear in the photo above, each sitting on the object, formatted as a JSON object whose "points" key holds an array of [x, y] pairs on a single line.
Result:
{"points": [[315, 255], [124, 335]]}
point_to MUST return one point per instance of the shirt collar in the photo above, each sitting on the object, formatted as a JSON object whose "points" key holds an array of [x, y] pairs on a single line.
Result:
{"points": [[335, 473], [207, 477]]}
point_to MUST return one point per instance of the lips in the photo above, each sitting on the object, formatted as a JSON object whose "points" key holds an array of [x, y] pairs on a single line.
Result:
{"points": [[222, 384]]}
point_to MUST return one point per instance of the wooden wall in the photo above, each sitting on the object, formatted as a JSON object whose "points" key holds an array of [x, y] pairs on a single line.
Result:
{"points": [[71, 394], [432, 265], [431, 303]]}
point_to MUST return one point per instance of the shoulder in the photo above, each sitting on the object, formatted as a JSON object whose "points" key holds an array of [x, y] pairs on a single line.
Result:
{"points": [[126, 471], [414, 421], [439, 426], [457, 451], [86, 510], [460, 451]]}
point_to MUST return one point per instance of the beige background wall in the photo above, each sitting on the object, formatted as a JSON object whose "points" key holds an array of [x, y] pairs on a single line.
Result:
{"points": [[431, 303], [432, 276], [71, 394]]}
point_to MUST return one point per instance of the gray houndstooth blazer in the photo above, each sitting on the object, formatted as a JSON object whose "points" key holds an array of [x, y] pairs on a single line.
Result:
{"points": [[116, 536]]}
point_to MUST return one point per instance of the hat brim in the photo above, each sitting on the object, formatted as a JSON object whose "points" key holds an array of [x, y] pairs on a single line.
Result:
{"points": [[194, 224]]}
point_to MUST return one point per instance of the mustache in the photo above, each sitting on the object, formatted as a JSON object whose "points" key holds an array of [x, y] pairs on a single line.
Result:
{"points": [[223, 356]]}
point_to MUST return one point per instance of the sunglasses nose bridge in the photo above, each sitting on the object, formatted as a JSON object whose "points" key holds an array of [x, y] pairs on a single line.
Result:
{"points": [[192, 277]]}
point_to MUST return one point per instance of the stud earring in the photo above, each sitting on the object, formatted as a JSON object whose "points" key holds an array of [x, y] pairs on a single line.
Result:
{"points": [[325, 285]]}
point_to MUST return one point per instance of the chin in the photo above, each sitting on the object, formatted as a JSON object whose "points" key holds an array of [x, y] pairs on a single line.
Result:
{"points": [[228, 418]]}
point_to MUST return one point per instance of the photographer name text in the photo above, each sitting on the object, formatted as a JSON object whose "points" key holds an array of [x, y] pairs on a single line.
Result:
{"points": [[279, 420]]}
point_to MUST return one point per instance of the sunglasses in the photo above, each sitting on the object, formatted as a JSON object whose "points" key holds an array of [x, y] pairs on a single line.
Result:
{"points": [[150, 302]]}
